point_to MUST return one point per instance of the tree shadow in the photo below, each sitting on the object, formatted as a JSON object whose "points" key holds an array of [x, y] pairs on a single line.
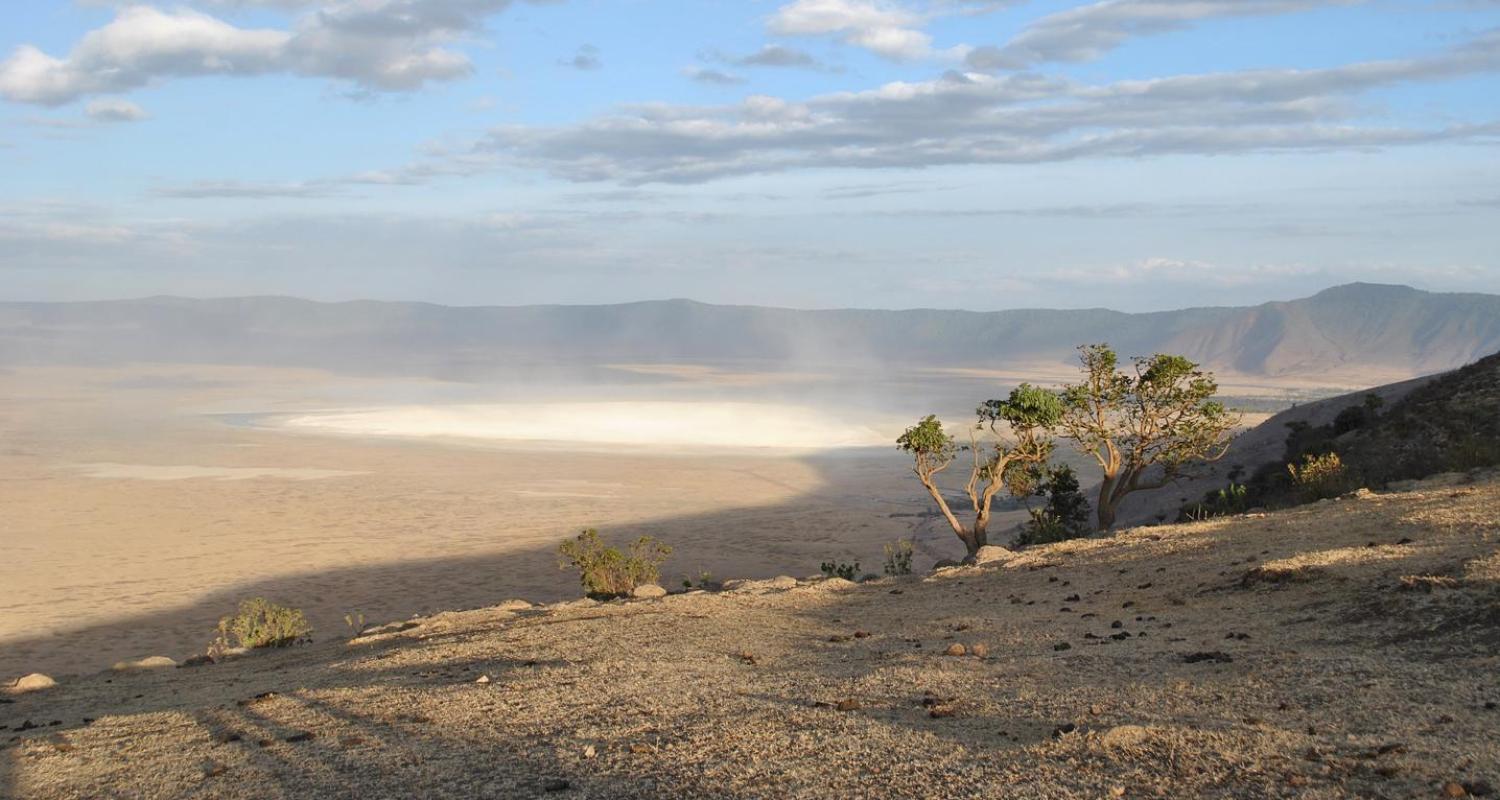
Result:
{"points": [[259, 732]]}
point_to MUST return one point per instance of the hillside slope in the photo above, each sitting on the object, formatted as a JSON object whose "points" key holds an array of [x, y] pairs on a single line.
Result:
{"points": [[1388, 332], [1337, 650]]}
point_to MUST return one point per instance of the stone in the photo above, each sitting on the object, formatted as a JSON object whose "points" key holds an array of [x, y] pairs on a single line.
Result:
{"points": [[482, 680], [990, 554], [1061, 646], [201, 660], [556, 785], [1454, 789], [514, 604], [979, 650], [648, 591], [1125, 736], [955, 649], [1215, 657], [946, 563], [847, 705], [152, 662], [301, 736], [35, 682]]}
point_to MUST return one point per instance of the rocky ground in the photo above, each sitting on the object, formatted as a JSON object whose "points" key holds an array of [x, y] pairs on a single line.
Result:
{"points": [[1345, 649]]}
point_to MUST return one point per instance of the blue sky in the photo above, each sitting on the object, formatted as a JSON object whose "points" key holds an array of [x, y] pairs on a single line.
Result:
{"points": [[1136, 154]]}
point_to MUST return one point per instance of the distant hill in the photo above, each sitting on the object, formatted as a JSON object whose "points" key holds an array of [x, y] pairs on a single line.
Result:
{"points": [[1447, 422], [1358, 329]]}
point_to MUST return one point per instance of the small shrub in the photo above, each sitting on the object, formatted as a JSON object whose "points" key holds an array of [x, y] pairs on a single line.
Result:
{"points": [[1232, 499], [1319, 476], [849, 572], [261, 623], [1066, 515], [705, 581], [898, 557], [605, 571], [355, 622]]}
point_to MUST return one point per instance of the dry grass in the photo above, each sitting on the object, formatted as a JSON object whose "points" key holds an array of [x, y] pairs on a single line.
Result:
{"points": [[1340, 683]]}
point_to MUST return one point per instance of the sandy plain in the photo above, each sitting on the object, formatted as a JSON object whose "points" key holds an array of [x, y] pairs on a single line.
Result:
{"points": [[139, 507], [142, 503]]}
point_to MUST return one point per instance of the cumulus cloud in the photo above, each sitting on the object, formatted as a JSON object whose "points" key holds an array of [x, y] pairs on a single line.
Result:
{"points": [[113, 109], [378, 45], [1088, 32], [882, 27]]}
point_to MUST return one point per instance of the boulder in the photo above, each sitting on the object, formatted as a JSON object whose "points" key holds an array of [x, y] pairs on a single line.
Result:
{"points": [[648, 591], [990, 554], [35, 682], [151, 662], [513, 605]]}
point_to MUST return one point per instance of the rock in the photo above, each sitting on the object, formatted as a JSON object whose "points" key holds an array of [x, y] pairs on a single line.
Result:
{"points": [[1125, 736], [1096, 710], [990, 554], [979, 650], [1063, 730], [301, 736], [514, 605], [482, 680], [1454, 789], [1479, 788], [556, 785], [648, 591], [201, 660], [35, 682], [1215, 657], [946, 563], [1061, 646], [955, 649], [152, 662], [590, 751], [847, 705]]}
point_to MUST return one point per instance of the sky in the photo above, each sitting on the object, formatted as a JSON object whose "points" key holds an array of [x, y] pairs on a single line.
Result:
{"points": [[980, 154]]}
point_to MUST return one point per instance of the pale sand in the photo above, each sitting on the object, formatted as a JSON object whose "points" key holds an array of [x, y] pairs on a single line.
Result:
{"points": [[131, 522]]}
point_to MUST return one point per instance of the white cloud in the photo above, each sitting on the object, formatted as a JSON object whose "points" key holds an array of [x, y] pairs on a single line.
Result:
{"points": [[113, 109], [379, 45], [879, 26]]}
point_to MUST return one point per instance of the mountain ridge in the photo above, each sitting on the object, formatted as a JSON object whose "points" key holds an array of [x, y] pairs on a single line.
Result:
{"points": [[1395, 331]]}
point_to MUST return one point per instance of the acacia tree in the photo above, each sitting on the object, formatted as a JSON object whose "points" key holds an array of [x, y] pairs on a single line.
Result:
{"points": [[1146, 426], [1029, 413]]}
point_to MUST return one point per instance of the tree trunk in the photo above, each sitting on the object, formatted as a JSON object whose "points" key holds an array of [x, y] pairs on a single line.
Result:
{"points": [[981, 532], [1107, 503], [972, 542]]}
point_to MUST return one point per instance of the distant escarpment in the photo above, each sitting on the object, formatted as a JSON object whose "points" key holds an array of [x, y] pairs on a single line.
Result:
{"points": [[1389, 332]]}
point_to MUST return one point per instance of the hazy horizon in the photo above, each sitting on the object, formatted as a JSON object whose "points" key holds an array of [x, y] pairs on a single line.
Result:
{"points": [[1127, 154], [1229, 303]]}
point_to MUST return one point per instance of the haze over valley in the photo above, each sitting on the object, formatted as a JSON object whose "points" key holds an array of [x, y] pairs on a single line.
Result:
{"points": [[502, 399]]}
